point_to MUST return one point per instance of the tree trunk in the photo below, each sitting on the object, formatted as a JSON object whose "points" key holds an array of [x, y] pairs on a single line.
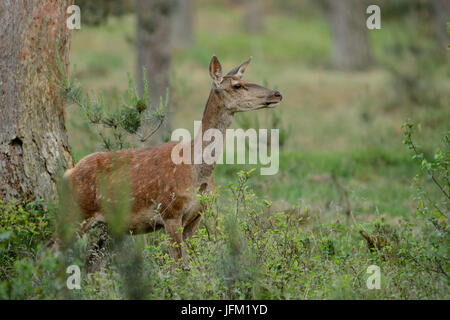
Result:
{"points": [[350, 46], [154, 52], [34, 148], [182, 25], [441, 13], [254, 15]]}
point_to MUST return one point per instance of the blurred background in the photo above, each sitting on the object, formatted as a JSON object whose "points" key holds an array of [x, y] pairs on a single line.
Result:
{"points": [[346, 89]]}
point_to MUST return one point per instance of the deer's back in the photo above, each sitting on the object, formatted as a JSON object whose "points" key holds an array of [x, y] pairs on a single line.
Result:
{"points": [[147, 176]]}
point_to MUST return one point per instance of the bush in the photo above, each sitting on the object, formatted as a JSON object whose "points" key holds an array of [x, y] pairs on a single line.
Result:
{"points": [[23, 227]]}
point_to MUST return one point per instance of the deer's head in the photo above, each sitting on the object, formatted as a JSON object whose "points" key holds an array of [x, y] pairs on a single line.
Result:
{"points": [[238, 95]]}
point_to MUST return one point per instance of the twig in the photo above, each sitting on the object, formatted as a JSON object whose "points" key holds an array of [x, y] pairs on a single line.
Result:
{"points": [[344, 193], [143, 139], [413, 146]]}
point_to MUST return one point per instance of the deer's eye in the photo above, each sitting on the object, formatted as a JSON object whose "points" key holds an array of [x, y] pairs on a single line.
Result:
{"points": [[237, 86]]}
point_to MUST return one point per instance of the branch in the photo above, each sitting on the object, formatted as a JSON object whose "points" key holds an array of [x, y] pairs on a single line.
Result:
{"points": [[413, 146]]}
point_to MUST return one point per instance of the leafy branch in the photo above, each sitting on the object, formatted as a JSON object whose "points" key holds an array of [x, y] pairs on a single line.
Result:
{"points": [[133, 116], [439, 164]]}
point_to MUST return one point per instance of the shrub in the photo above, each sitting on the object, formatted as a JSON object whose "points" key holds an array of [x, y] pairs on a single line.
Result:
{"points": [[23, 227]]}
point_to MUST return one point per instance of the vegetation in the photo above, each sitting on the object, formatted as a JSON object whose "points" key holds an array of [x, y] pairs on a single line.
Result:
{"points": [[247, 250], [348, 194], [136, 116]]}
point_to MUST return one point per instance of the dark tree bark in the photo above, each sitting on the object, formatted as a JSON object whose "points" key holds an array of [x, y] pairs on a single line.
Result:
{"points": [[254, 16], [182, 24], [33, 139], [154, 52], [350, 45]]}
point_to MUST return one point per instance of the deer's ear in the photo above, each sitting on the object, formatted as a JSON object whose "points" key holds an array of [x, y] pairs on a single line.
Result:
{"points": [[239, 70], [215, 71]]}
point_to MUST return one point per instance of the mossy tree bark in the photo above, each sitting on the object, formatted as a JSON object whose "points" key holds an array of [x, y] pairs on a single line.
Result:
{"points": [[33, 140]]}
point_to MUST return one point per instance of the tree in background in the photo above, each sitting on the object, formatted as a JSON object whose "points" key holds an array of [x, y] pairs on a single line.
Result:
{"points": [[350, 45], [153, 40], [441, 18], [254, 15], [97, 12], [183, 24], [154, 51], [33, 140]]}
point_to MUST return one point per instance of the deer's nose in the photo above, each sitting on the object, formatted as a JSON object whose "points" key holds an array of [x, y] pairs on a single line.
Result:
{"points": [[277, 94]]}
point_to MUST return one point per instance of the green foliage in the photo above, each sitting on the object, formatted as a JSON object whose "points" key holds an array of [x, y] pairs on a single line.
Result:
{"points": [[248, 249], [437, 169], [432, 209], [22, 228]]}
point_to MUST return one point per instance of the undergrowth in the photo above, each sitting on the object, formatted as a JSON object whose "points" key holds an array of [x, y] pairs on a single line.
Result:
{"points": [[248, 249]]}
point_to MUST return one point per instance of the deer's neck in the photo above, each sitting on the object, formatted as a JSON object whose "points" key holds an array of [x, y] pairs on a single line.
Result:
{"points": [[216, 117]]}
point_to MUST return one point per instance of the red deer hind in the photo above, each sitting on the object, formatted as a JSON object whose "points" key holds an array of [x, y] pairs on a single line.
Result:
{"points": [[155, 180]]}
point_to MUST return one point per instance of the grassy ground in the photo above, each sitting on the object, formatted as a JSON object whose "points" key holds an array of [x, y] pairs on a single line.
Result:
{"points": [[342, 151]]}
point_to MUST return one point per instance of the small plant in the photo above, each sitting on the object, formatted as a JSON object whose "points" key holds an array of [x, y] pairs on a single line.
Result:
{"points": [[22, 228], [132, 116], [436, 169], [431, 254]]}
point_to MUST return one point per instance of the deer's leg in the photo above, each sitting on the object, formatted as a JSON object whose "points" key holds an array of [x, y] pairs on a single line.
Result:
{"points": [[99, 252], [192, 227], [173, 229]]}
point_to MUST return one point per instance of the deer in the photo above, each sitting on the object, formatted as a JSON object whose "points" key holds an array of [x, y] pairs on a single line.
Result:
{"points": [[163, 194]]}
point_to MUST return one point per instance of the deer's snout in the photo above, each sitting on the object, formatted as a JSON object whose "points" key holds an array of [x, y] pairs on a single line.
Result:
{"points": [[277, 94]]}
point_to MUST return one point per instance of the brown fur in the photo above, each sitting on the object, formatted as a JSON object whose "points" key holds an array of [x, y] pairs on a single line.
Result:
{"points": [[154, 179]]}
